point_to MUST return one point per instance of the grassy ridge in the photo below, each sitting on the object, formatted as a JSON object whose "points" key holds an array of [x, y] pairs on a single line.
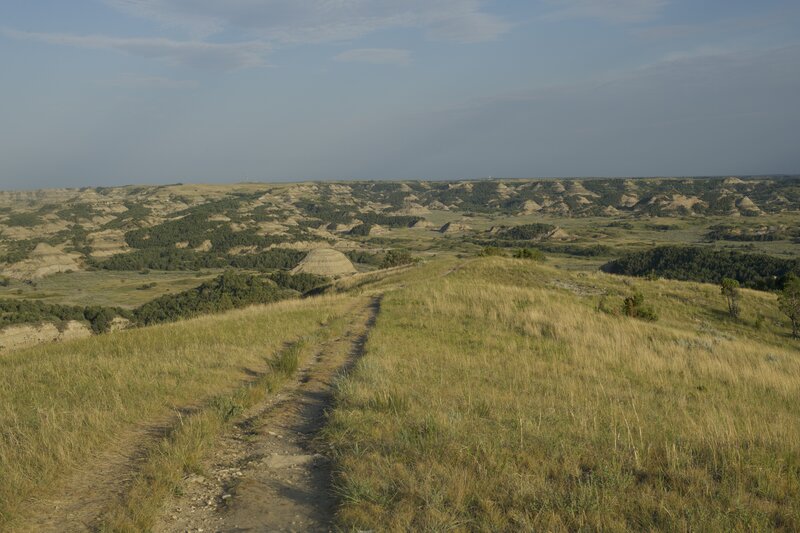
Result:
{"points": [[499, 398], [78, 396], [169, 459]]}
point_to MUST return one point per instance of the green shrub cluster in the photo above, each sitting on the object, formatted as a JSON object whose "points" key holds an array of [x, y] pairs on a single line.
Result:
{"points": [[171, 258], [634, 307], [728, 232], [76, 212], [364, 258], [324, 210], [390, 221], [228, 291], [231, 290], [302, 282], [33, 312], [533, 254], [692, 263], [195, 229], [526, 232], [25, 220], [396, 258], [17, 250], [578, 250]]}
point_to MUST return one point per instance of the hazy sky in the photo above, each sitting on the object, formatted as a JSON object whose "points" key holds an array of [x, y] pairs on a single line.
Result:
{"points": [[104, 92]]}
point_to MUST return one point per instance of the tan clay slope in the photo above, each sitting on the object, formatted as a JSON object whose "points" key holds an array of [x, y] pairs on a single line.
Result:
{"points": [[44, 260], [325, 262]]}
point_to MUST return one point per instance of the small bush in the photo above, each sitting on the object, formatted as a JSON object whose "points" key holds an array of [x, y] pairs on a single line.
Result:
{"points": [[4, 281], [533, 254], [730, 290], [634, 307], [789, 304], [396, 258], [100, 318]]}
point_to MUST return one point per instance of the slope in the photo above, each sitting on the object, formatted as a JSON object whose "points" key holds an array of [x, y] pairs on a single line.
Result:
{"points": [[501, 397]]}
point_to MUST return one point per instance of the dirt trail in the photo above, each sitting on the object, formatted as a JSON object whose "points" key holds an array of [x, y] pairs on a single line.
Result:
{"points": [[269, 473]]}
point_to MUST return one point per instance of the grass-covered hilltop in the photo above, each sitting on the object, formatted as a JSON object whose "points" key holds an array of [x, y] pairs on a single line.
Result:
{"points": [[495, 355]]}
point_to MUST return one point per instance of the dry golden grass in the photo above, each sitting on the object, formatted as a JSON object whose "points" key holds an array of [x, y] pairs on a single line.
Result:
{"points": [[62, 403], [498, 398], [184, 450]]}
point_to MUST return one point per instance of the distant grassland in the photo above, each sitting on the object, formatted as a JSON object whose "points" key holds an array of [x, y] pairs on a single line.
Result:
{"points": [[113, 289], [498, 398], [61, 403]]}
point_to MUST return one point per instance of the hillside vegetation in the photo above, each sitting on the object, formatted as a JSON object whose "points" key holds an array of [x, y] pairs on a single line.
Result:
{"points": [[62, 403], [757, 271], [499, 397]]}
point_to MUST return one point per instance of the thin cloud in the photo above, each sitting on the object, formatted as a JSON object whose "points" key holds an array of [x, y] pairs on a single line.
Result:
{"points": [[377, 56], [616, 11], [199, 54], [318, 21], [132, 81]]}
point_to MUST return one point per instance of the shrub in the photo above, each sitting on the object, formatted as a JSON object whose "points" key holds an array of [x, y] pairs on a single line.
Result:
{"points": [[634, 306], [229, 291], [365, 258], [527, 232], [396, 258], [533, 254], [100, 318], [302, 282], [30, 312], [4, 281], [789, 304], [730, 290]]}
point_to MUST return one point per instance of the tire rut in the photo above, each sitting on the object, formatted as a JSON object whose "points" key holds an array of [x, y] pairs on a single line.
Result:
{"points": [[270, 473]]}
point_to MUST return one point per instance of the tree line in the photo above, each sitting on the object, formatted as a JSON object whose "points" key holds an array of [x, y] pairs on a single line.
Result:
{"points": [[692, 263], [171, 258], [230, 290]]}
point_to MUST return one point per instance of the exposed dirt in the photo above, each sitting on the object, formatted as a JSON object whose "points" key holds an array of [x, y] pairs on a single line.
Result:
{"points": [[270, 473]]}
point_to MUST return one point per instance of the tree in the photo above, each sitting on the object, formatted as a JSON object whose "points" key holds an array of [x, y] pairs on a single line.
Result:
{"points": [[396, 258], [634, 306], [789, 303], [730, 290]]}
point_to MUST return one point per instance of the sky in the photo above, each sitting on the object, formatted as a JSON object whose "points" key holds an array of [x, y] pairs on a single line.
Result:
{"points": [[111, 92]]}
